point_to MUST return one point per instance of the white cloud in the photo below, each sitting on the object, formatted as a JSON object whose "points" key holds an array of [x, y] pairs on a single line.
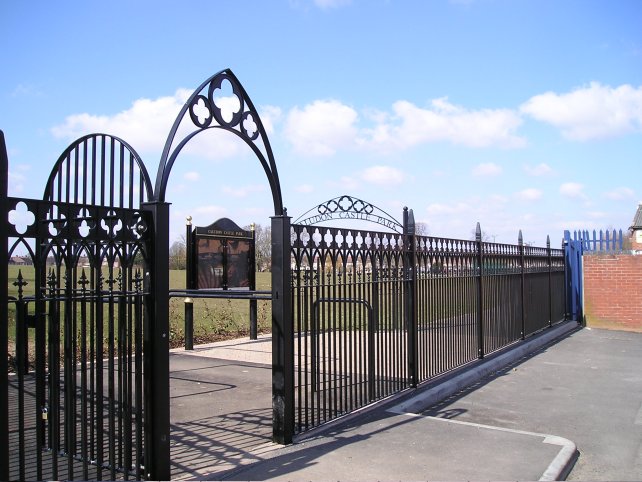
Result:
{"points": [[436, 209], [304, 188], [382, 175], [243, 191], [487, 169], [446, 122], [27, 90], [572, 190], [322, 127], [191, 176], [530, 194], [347, 183], [594, 112], [327, 4], [17, 177], [597, 214], [539, 170], [211, 210], [146, 124], [620, 194], [270, 115]]}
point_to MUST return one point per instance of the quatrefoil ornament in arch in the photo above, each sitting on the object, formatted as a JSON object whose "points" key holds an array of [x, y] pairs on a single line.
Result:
{"points": [[21, 218], [222, 103], [249, 127], [200, 108]]}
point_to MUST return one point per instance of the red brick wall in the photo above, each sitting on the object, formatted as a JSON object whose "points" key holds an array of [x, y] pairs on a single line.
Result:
{"points": [[613, 291]]}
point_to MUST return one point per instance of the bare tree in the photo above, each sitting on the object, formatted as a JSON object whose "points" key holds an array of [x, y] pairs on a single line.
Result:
{"points": [[485, 237], [421, 229], [263, 240], [177, 254]]}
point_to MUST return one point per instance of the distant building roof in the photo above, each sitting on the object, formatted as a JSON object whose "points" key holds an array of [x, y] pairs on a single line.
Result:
{"points": [[637, 219]]}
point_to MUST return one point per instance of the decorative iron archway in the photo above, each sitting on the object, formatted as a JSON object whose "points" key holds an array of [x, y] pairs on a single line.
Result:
{"points": [[201, 113], [350, 208], [245, 123]]}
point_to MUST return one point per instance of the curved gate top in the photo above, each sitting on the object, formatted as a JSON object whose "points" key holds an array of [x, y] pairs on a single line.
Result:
{"points": [[348, 207], [201, 111]]}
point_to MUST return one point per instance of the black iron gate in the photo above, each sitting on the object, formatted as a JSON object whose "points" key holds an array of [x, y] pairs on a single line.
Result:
{"points": [[77, 291], [85, 345]]}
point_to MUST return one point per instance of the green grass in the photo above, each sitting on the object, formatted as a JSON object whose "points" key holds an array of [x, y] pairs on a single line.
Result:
{"points": [[214, 319], [217, 319]]}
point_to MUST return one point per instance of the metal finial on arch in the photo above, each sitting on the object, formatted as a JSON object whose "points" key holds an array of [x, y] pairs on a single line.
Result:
{"points": [[245, 123]]}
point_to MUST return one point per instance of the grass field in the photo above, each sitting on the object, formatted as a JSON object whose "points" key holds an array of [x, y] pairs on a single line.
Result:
{"points": [[214, 319], [217, 319]]}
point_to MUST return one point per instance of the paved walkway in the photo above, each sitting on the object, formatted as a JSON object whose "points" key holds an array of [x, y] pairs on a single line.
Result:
{"points": [[523, 422]]}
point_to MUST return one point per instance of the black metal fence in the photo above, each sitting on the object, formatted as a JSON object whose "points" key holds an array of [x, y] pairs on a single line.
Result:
{"points": [[376, 313]]}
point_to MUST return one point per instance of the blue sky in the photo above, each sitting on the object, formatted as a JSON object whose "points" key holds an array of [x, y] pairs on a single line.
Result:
{"points": [[517, 114]]}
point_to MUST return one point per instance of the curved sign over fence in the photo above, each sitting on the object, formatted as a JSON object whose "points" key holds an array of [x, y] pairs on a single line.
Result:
{"points": [[348, 207]]}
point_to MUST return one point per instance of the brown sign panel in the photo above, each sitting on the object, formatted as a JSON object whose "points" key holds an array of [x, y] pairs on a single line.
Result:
{"points": [[224, 256]]}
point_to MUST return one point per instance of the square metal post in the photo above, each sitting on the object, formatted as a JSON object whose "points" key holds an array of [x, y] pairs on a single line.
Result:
{"points": [[156, 346], [522, 294], [252, 278], [4, 315], [282, 333], [189, 284], [480, 293], [410, 274]]}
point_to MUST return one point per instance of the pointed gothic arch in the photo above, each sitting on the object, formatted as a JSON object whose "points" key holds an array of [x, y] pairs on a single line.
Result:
{"points": [[245, 123]]}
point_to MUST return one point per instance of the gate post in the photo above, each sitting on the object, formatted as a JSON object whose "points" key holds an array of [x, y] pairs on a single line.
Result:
{"points": [[573, 253], [520, 243], [550, 281], [282, 333], [4, 315], [410, 274], [156, 346], [480, 290]]}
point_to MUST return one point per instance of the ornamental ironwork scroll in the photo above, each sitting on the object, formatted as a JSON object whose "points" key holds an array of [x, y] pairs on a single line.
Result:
{"points": [[351, 208]]}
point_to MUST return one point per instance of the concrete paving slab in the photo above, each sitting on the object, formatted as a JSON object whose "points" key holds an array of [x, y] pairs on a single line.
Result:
{"points": [[246, 350], [586, 388], [390, 446], [517, 423], [221, 415]]}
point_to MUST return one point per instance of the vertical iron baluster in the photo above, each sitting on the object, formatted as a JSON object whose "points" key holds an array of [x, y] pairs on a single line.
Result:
{"points": [[138, 362], [41, 410], [54, 373], [129, 301], [120, 381], [99, 356], [69, 371], [21, 321], [110, 369], [84, 453]]}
